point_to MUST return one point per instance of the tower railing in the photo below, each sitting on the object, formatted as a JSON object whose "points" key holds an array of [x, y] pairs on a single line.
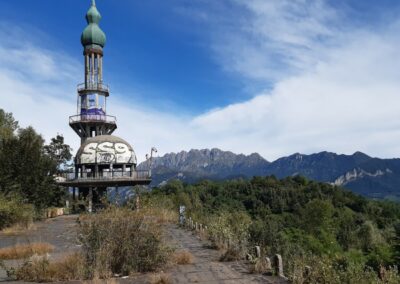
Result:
{"points": [[105, 175], [93, 86], [93, 118]]}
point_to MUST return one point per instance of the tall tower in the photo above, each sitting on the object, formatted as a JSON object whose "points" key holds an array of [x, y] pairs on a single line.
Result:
{"points": [[103, 160], [92, 119]]}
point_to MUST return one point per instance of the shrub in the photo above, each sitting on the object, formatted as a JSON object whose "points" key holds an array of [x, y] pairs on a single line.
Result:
{"points": [[14, 211], [121, 241], [336, 271], [229, 231], [160, 278], [40, 269], [260, 266]]}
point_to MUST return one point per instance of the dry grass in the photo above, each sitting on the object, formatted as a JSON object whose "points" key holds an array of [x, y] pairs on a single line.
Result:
{"points": [[100, 281], [260, 266], [160, 278], [54, 212], [18, 229], [204, 236], [183, 257], [40, 269], [161, 215], [25, 250]]}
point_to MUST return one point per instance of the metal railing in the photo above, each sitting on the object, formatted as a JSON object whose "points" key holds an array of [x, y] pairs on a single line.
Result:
{"points": [[94, 87], [102, 176], [92, 117]]}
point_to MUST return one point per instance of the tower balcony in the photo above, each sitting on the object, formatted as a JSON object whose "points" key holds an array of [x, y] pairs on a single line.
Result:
{"points": [[93, 87], [104, 179], [109, 119], [86, 124]]}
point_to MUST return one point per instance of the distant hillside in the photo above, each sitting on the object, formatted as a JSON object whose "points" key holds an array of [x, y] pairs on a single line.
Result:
{"points": [[372, 177]]}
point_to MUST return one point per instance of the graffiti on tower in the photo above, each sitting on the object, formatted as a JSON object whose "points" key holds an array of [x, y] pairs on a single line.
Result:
{"points": [[107, 153]]}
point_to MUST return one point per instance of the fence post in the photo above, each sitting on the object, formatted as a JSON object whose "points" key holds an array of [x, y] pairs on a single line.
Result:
{"points": [[268, 265], [258, 251], [278, 265]]}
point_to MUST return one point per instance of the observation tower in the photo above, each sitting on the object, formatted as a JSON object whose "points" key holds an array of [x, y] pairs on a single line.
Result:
{"points": [[103, 160]]}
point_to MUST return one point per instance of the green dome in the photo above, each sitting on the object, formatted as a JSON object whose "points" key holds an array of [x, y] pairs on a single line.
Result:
{"points": [[93, 35]]}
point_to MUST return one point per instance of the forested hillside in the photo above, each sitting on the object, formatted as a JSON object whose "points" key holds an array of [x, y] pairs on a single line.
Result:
{"points": [[309, 223]]}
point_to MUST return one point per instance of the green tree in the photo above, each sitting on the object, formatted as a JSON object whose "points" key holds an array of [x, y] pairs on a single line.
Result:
{"points": [[59, 152], [8, 125], [396, 245], [27, 166]]}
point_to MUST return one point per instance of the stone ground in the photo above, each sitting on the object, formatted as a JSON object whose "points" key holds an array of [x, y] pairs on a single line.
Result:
{"points": [[60, 232], [205, 268]]}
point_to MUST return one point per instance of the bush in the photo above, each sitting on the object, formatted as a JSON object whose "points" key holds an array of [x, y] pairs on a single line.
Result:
{"points": [[337, 271], [161, 278], [229, 231], [121, 241], [40, 269], [14, 211]]}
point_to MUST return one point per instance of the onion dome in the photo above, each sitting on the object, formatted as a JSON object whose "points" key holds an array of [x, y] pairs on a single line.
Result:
{"points": [[92, 35], [106, 149]]}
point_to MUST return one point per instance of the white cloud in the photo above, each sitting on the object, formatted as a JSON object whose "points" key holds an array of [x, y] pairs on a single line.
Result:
{"points": [[268, 40], [335, 89]]}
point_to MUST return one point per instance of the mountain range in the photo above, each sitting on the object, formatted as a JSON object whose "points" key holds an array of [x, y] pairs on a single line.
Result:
{"points": [[371, 177]]}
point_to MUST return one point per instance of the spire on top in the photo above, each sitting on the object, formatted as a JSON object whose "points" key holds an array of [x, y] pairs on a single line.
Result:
{"points": [[93, 35]]}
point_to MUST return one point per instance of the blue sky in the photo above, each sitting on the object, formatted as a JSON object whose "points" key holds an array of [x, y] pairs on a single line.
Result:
{"points": [[268, 76], [154, 50]]}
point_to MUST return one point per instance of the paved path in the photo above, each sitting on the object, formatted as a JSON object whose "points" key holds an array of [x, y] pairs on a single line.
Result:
{"points": [[61, 232], [206, 268]]}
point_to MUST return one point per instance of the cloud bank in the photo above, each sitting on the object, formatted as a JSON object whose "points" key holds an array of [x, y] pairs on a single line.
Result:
{"points": [[335, 87]]}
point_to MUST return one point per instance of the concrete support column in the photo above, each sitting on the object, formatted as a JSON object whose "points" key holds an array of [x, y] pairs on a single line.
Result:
{"points": [[78, 103], [98, 69], [93, 68], [117, 197], [90, 198], [101, 69], [137, 200], [87, 70]]}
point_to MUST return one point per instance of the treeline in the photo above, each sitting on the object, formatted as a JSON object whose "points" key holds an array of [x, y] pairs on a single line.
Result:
{"points": [[309, 223], [28, 167]]}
